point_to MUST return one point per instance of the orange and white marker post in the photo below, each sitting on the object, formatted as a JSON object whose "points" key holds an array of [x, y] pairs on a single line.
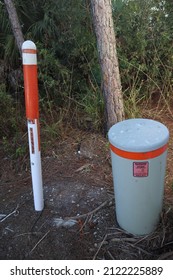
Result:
{"points": [[29, 56]]}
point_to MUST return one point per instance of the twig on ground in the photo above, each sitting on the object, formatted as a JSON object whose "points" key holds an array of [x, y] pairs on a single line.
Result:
{"points": [[2, 216], [142, 239], [12, 213], [39, 242], [101, 244], [122, 231], [109, 253], [140, 249], [163, 239], [83, 225], [26, 233], [84, 167]]}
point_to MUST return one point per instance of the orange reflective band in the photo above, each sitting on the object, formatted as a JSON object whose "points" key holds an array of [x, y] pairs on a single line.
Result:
{"points": [[32, 51], [139, 155], [31, 91]]}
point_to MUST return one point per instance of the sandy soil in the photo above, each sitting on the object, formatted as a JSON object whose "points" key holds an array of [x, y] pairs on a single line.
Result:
{"points": [[78, 220]]}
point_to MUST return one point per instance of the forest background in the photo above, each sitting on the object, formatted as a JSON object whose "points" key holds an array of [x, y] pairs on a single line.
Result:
{"points": [[69, 73]]}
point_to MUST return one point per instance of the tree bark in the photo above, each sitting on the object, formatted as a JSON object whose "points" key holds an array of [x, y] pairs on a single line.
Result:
{"points": [[106, 44], [16, 27]]}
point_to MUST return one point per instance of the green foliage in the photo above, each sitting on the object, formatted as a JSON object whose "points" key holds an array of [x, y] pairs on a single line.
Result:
{"points": [[144, 39], [16, 149], [68, 68], [69, 74], [8, 120], [54, 78], [94, 110], [11, 126]]}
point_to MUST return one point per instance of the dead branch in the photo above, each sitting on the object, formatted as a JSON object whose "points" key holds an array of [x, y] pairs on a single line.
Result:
{"points": [[101, 244], [15, 211], [39, 242]]}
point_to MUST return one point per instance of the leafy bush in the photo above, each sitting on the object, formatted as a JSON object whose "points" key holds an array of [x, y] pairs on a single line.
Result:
{"points": [[69, 72], [144, 39], [12, 126], [8, 120]]}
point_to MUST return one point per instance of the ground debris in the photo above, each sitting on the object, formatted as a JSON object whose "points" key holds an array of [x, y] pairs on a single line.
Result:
{"points": [[79, 219], [2, 216], [119, 244], [59, 222], [14, 212]]}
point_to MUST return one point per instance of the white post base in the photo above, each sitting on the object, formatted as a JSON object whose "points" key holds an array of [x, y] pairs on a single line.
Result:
{"points": [[35, 160]]}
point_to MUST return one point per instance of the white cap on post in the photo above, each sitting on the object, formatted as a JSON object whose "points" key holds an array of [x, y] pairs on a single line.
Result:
{"points": [[29, 53]]}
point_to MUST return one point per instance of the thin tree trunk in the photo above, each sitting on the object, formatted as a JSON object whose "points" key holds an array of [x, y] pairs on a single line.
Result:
{"points": [[106, 44], [16, 27]]}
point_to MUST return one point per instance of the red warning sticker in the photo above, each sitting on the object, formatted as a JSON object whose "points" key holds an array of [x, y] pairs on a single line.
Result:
{"points": [[140, 169]]}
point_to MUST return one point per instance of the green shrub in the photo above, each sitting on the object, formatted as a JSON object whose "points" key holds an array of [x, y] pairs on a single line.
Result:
{"points": [[144, 40], [8, 120]]}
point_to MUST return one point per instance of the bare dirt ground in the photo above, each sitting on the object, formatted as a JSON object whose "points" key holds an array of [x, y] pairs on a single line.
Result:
{"points": [[78, 221]]}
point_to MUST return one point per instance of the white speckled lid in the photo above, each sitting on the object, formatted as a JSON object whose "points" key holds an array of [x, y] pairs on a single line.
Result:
{"points": [[138, 135]]}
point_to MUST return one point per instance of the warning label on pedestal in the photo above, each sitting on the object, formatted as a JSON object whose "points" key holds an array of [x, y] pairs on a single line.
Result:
{"points": [[140, 169]]}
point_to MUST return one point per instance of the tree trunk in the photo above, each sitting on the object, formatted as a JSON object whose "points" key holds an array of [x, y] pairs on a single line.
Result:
{"points": [[16, 28], [106, 44]]}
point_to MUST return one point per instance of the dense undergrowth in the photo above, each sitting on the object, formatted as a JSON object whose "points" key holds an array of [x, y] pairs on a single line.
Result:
{"points": [[68, 68]]}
